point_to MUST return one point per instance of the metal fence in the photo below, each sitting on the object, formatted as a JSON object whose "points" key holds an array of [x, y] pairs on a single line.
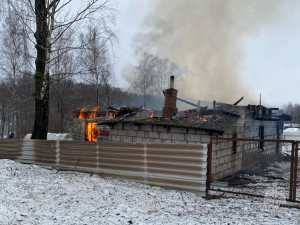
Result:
{"points": [[278, 169], [169, 165]]}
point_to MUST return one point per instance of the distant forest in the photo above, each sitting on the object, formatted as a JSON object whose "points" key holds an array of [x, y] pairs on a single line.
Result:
{"points": [[294, 111]]}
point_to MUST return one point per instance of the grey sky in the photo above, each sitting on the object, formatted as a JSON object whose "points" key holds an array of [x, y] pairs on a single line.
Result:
{"points": [[272, 65], [130, 17], [271, 57]]}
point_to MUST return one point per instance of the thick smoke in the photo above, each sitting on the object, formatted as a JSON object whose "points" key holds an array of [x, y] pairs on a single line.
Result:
{"points": [[206, 37]]}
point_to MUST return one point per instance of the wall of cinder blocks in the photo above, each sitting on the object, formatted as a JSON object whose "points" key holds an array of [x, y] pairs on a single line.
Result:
{"points": [[78, 130], [144, 133], [225, 159]]}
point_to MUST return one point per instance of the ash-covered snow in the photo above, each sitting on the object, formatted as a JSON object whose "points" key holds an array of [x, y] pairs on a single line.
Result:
{"points": [[33, 195]]}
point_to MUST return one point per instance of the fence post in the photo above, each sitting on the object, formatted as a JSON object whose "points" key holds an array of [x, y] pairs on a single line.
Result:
{"points": [[292, 173], [57, 154], [295, 170], [208, 172]]}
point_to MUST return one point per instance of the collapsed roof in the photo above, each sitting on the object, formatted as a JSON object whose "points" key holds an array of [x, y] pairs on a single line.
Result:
{"points": [[213, 121]]}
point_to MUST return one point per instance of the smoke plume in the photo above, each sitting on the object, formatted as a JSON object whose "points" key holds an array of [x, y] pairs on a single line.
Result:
{"points": [[206, 37]]}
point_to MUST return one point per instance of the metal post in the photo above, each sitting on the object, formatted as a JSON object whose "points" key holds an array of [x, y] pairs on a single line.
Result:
{"points": [[208, 172], [295, 171], [292, 173]]}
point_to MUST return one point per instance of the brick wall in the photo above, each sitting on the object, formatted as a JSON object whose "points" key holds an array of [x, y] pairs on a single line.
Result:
{"points": [[126, 132], [225, 161]]}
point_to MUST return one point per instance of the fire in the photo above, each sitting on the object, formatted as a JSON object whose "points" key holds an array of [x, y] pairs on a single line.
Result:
{"points": [[93, 113], [84, 113], [91, 128], [91, 131], [81, 113], [111, 114]]}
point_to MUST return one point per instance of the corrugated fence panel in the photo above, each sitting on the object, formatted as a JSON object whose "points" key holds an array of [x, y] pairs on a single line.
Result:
{"points": [[121, 157], [46, 152], [170, 165], [10, 149], [78, 155]]}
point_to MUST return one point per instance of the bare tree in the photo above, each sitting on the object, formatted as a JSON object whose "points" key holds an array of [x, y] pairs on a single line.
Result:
{"points": [[49, 16], [143, 79], [96, 63], [164, 69], [151, 75], [15, 61], [62, 68]]}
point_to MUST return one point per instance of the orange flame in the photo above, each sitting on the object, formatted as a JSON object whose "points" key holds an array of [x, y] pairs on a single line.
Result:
{"points": [[85, 113], [91, 131], [81, 113], [93, 114], [111, 114]]}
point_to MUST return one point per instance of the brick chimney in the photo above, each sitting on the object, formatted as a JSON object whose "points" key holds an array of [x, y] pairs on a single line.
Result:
{"points": [[170, 108]]}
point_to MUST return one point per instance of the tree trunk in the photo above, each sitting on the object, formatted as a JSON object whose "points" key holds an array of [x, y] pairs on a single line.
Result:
{"points": [[97, 92], [61, 115], [3, 122], [41, 77], [107, 87]]}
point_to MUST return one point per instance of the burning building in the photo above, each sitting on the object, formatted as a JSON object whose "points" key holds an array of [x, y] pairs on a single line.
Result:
{"points": [[198, 126], [88, 121], [86, 126]]}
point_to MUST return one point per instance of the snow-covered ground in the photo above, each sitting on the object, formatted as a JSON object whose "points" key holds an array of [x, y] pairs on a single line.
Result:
{"points": [[54, 137], [33, 195], [291, 134], [287, 149], [291, 130]]}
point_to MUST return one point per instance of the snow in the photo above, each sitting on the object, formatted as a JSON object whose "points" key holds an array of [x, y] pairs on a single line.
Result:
{"points": [[291, 130], [54, 136], [291, 134], [287, 149], [33, 195]]}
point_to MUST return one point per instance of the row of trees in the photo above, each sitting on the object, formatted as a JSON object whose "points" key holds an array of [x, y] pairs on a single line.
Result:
{"points": [[293, 110], [47, 43], [54, 59]]}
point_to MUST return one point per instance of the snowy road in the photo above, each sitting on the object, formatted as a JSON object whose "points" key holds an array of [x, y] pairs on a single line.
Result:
{"points": [[33, 195]]}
